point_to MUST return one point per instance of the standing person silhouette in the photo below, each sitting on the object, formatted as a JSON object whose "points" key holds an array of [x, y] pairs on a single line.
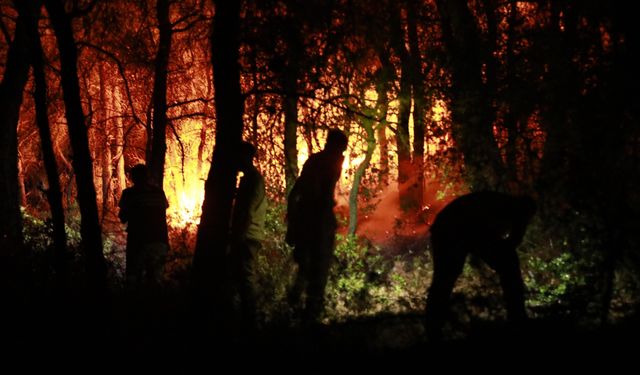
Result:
{"points": [[312, 224], [143, 207], [247, 229]]}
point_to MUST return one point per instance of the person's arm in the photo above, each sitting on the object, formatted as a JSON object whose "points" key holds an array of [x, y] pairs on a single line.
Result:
{"points": [[123, 215], [242, 207], [293, 206]]}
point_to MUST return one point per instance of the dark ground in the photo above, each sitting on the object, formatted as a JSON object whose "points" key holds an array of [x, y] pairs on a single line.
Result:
{"points": [[166, 338]]}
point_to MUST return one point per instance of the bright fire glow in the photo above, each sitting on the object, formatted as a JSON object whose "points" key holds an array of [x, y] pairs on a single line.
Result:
{"points": [[188, 208], [353, 163], [184, 186]]}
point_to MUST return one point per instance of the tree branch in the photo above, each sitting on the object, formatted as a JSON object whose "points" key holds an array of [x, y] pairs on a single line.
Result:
{"points": [[115, 59]]}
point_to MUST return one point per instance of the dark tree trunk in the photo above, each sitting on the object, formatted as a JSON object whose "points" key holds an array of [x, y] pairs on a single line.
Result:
{"points": [[121, 181], [82, 163], [203, 131], [416, 191], [403, 144], [255, 104], [511, 116], [105, 155], [290, 87], [159, 138], [367, 124], [12, 86], [213, 232], [383, 84], [290, 129], [54, 193], [472, 111], [562, 78]]}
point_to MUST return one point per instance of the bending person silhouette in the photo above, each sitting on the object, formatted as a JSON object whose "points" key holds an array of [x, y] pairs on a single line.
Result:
{"points": [[489, 225], [143, 207], [312, 224], [247, 229]]}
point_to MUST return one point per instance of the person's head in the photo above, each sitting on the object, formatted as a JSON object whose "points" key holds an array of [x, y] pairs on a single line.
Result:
{"points": [[139, 174], [246, 152], [336, 141]]}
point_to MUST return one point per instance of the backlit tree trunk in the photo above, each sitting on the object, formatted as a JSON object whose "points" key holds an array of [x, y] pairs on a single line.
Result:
{"points": [[203, 130], [384, 82], [403, 144], [419, 106], [290, 129], [16, 72], [289, 79], [471, 107], [209, 263], [82, 163], [121, 180], [367, 124], [54, 193], [105, 155], [159, 138]]}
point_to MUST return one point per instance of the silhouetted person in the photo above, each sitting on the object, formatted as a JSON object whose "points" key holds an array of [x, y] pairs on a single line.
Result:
{"points": [[489, 225], [312, 224], [143, 207], [247, 229]]}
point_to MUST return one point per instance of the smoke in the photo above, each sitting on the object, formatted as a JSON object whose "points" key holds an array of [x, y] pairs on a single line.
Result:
{"points": [[382, 223], [395, 231]]}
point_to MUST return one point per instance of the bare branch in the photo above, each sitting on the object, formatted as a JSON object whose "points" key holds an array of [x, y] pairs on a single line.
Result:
{"points": [[190, 115], [78, 11], [5, 31], [201, 100], [175, 133], [190, 19], [118, 63]]}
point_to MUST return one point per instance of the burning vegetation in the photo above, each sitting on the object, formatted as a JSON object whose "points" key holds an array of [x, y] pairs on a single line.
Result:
{"points": [[437, 98]]}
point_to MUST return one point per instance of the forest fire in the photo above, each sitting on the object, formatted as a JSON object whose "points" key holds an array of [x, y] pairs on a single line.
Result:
{"points": [[184, 186], [185, 173], [188, 207], [438, 99]]}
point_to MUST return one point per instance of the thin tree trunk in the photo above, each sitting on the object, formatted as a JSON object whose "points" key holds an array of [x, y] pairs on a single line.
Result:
{"points": [[256, 103], [106, 146], [384, 80], [209, 262], [290, 87], [159, 139], [416, 191], [22, 189], [203, 131], [367, 124], [403, 144], [54, 193], [15, 77], [471, 108], [121, 180], [82, 163]]}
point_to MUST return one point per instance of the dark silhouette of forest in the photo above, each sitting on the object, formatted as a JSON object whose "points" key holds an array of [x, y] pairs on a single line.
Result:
{"points": [[437, 98]]}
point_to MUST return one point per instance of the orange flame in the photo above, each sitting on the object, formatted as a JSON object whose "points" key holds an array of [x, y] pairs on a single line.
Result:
{"points": [[184, 183]]}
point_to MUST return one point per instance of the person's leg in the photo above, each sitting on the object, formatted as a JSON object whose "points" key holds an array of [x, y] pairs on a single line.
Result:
{"points": [[247, 293], [134, 265], [448, 262], [318, 276], [507, 265], [301, 257], [155, 257], [320, 265]]}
